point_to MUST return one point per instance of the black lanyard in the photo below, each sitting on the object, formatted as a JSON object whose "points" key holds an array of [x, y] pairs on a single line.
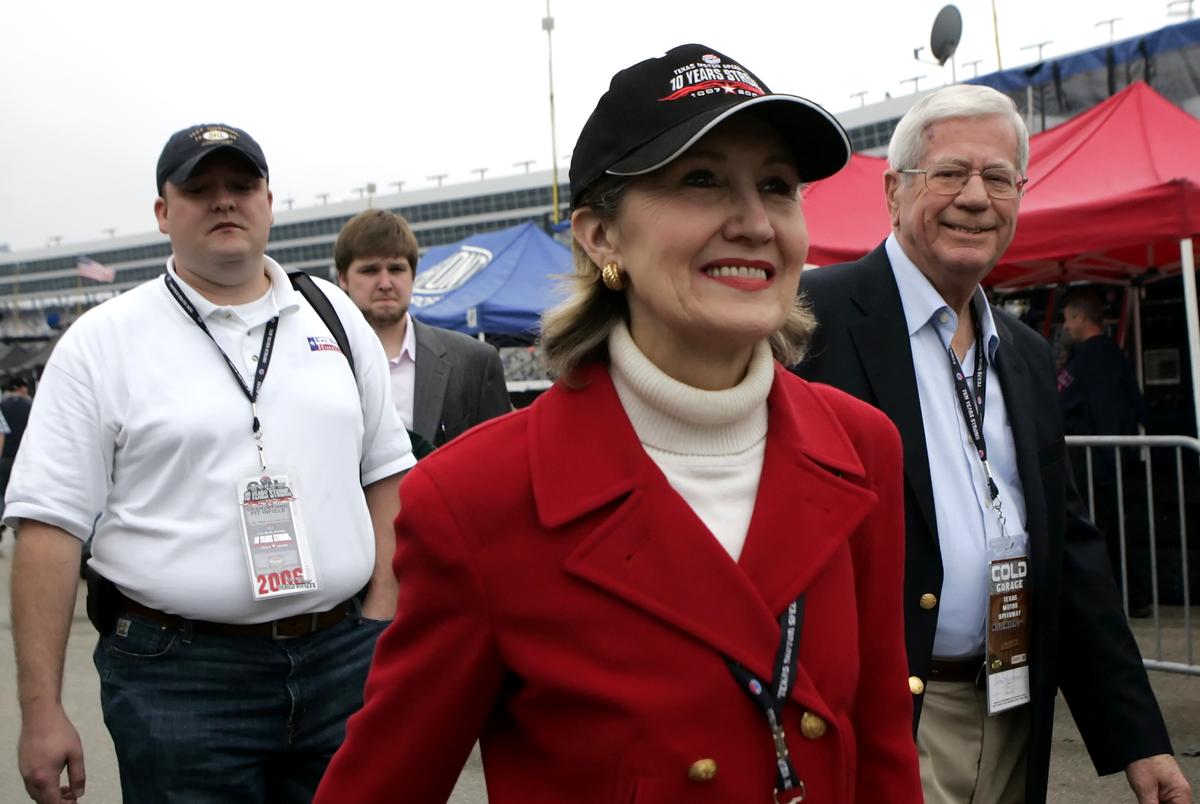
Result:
{"points": [[771, 699], [260, 373], [972, 403]]}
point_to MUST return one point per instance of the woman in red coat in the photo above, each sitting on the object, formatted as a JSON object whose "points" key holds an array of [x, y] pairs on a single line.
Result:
{"points": [[677, 575]]}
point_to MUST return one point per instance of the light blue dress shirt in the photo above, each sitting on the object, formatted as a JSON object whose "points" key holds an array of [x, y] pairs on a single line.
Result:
{"points": [[961, 501]]}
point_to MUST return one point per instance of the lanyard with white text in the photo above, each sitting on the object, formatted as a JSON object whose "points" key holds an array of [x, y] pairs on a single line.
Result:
{"points": [[972, 405], [260, 373], [771, 701]]}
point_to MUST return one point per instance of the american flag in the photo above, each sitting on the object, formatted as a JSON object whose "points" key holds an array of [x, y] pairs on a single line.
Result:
{"points": [[90, 269]]}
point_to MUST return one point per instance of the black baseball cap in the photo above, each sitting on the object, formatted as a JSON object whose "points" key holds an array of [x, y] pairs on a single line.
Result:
{"points": [[189, 147], [658, 108]]}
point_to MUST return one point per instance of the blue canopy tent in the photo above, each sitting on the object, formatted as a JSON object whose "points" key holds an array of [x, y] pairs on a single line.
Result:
{"points": [[497, 283]]}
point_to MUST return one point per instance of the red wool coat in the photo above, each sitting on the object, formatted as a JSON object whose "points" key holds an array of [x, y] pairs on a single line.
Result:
{"points": [[563, 605]]}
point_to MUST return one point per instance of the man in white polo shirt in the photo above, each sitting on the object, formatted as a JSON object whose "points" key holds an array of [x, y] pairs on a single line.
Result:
{"points": [[242, 481]]}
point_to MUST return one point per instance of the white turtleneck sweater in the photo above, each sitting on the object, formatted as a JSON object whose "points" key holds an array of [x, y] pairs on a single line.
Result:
{"points": [[708, 444]]}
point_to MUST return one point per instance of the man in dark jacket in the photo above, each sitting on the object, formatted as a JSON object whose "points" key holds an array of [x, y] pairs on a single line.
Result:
{"points": [[1100, 396], [1008, 594]]}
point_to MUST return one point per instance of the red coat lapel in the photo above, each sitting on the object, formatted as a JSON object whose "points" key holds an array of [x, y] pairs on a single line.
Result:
{"points": [[653, 552], [805, 508]]}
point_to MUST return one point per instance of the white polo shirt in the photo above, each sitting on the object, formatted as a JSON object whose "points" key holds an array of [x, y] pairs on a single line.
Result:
{"points": [[139, 421]]}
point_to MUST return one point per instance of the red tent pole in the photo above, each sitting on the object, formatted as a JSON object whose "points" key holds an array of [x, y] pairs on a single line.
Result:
{"points": [[1048, 318]]}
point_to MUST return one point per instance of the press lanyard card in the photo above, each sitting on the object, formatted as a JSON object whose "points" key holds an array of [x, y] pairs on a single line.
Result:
{"points": [[277, 554], [1008, 634]]}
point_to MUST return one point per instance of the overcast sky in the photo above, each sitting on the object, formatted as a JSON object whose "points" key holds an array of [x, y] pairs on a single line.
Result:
{"points": [[344, 92]]}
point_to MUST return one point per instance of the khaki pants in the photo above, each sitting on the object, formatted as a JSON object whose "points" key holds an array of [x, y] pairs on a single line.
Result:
{"points": [[966, 756]]}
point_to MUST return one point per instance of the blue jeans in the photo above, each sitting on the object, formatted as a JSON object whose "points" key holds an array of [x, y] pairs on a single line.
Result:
{"points": [[200, 718]]}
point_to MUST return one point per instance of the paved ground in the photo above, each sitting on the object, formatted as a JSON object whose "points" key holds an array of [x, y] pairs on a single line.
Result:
{"points": [[1072, 779]]}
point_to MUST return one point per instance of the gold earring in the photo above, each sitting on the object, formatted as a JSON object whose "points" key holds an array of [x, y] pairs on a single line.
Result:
{"points": [[611, 275]]}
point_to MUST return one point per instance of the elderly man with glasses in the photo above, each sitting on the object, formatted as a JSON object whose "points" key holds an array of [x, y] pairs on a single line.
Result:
{"points": [[1008, 593]]}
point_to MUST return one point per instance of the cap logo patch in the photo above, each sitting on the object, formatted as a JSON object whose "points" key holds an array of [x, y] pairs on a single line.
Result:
{"points": [[710, 78], [214, 135]]}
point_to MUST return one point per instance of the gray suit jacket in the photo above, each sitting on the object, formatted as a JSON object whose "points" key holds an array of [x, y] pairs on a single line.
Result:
{"points": [[459, 383]]}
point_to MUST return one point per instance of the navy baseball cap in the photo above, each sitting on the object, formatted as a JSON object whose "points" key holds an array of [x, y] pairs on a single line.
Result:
{"points": [[657, 109], [187, 148]]}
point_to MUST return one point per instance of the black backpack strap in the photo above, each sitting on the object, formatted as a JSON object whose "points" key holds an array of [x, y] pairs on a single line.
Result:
{"points": [[420, 447], [320, 302]]}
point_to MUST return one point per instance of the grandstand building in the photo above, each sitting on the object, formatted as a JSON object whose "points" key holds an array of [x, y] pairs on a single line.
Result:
{"points": [[41, 289]]}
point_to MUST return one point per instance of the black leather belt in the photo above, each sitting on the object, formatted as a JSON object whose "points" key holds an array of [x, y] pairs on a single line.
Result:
{"points": [[295, 626], [969, 669]]}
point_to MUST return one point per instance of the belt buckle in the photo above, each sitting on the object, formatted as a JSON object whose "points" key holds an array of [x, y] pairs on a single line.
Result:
{"points": [[275, 628], [275, 631]]}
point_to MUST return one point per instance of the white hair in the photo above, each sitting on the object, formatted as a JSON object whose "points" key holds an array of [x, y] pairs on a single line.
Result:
{"points": [[957, 100]]}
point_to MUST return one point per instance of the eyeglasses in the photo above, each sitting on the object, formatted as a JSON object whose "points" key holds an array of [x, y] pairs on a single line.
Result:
{"points": [[998, 182]]}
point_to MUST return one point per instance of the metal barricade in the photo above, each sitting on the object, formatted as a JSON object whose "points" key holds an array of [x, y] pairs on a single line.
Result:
{"points": [[1151, 452]]}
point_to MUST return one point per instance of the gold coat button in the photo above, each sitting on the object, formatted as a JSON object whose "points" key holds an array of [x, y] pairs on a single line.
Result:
{"points": [[915, 685], [928, 601], [812, 726], [702, 770]]}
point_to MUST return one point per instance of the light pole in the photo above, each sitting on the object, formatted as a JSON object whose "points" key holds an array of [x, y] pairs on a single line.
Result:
{"points": [[438, 177], [525, 164], [1039, 46], [1171, 12], [399, 185], [481, 171], [324, 198], [367, 191], [111, 232], [996, 34], [1111, 22], [548, 27], [915, 81], [862, 98], [975, 65]]}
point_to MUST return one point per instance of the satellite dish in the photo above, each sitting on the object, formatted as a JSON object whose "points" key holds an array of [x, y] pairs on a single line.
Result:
{"points": [[947, 31]]}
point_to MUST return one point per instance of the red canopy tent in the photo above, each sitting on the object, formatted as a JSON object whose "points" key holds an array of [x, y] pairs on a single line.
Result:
{"points": [[846, 213], [1114, 193], [1111, 193]]}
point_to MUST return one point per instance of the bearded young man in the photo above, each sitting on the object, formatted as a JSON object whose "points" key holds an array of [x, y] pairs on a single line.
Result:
{"points": [[443, 382]]}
